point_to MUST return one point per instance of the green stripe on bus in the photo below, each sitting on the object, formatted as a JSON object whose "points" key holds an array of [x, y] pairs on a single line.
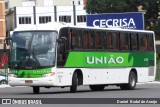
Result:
{"points": [[109, 59], [36, 73]]}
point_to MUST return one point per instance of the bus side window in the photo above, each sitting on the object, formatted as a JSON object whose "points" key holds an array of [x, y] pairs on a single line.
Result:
{"points": [[134, 42], [63, 47], [92, 44], [64, 32], [98, 40], [150, 43], [85, 40], [70, 39], [124, 41], [76, 39], [143, 42], [88, 39], [104, 39], [109, 41], [112, 41], [115, 41]]}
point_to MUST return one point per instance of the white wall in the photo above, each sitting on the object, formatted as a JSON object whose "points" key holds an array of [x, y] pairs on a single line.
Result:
{"points": [[80, 11], [24, 12], [15, 3], [65, 11], [44, 11], [76, 2], [29, 3], [62, 2], [49, 11]]}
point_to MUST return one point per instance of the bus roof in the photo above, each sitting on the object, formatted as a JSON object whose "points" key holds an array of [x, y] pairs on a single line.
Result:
{"points": [[47, 26], [58, 25]]}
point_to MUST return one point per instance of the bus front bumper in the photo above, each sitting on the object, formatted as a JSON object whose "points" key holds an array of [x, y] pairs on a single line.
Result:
{"points": [[45, 81]]}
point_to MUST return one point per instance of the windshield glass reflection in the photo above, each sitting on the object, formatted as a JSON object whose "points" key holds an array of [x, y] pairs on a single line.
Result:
{"points": [[33, 49]]}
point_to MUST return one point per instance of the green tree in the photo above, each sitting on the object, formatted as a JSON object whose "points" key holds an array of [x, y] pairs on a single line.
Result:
{"points": [[106, 6], [152, 16]]}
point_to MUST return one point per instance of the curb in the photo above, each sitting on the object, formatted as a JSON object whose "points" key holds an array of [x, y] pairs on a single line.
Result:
{"points": [[153, 82]]}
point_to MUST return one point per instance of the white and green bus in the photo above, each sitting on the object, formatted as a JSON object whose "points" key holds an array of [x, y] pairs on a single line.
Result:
{"points": [[58, 55]]}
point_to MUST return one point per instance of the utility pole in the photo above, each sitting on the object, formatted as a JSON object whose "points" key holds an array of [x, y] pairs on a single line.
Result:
{"points": [[15, 17], [74, 14], [34, 14], [55, 13]]}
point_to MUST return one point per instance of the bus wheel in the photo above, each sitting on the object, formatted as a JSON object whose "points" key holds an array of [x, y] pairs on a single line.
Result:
{"points": [[73, 88], [36, 90], [96, 87], [132, 82]]}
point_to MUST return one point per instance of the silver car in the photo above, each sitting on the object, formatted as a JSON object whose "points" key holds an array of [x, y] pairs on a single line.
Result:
{"points": [[3, 78]]}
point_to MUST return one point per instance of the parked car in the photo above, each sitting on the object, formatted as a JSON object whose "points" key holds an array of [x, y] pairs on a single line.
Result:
{"points": [[3, 78]]}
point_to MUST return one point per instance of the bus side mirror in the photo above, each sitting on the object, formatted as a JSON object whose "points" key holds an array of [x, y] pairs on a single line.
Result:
{"points": [[59, 40], [62, 40], [8, 40], [4, 47]]}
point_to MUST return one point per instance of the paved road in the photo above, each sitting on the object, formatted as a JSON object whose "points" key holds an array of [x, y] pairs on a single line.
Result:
{"points": [[142, 91]]}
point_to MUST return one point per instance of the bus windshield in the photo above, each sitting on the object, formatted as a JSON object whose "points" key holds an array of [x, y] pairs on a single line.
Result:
{"points": [[32, 49]]}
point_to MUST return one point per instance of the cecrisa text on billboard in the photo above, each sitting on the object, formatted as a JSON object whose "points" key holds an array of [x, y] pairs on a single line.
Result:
{"points": [[120, 20]]}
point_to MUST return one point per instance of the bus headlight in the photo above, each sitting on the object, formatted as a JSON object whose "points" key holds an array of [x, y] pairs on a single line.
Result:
{"points": [[49, 75], [12, 75]]}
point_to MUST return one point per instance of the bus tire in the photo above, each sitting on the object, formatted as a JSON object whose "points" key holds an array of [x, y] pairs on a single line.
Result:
{"points": [[96, 87], [73, 88], [132, 82], [36, 90]]}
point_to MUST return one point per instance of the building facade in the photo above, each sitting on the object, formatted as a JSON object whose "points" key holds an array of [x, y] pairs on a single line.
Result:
{"points": [[40, 15], [30, 12], [10, 4], [2, 21]]}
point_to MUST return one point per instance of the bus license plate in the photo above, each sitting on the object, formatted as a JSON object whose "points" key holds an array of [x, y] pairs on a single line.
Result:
{"points": [[28, 81]]}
